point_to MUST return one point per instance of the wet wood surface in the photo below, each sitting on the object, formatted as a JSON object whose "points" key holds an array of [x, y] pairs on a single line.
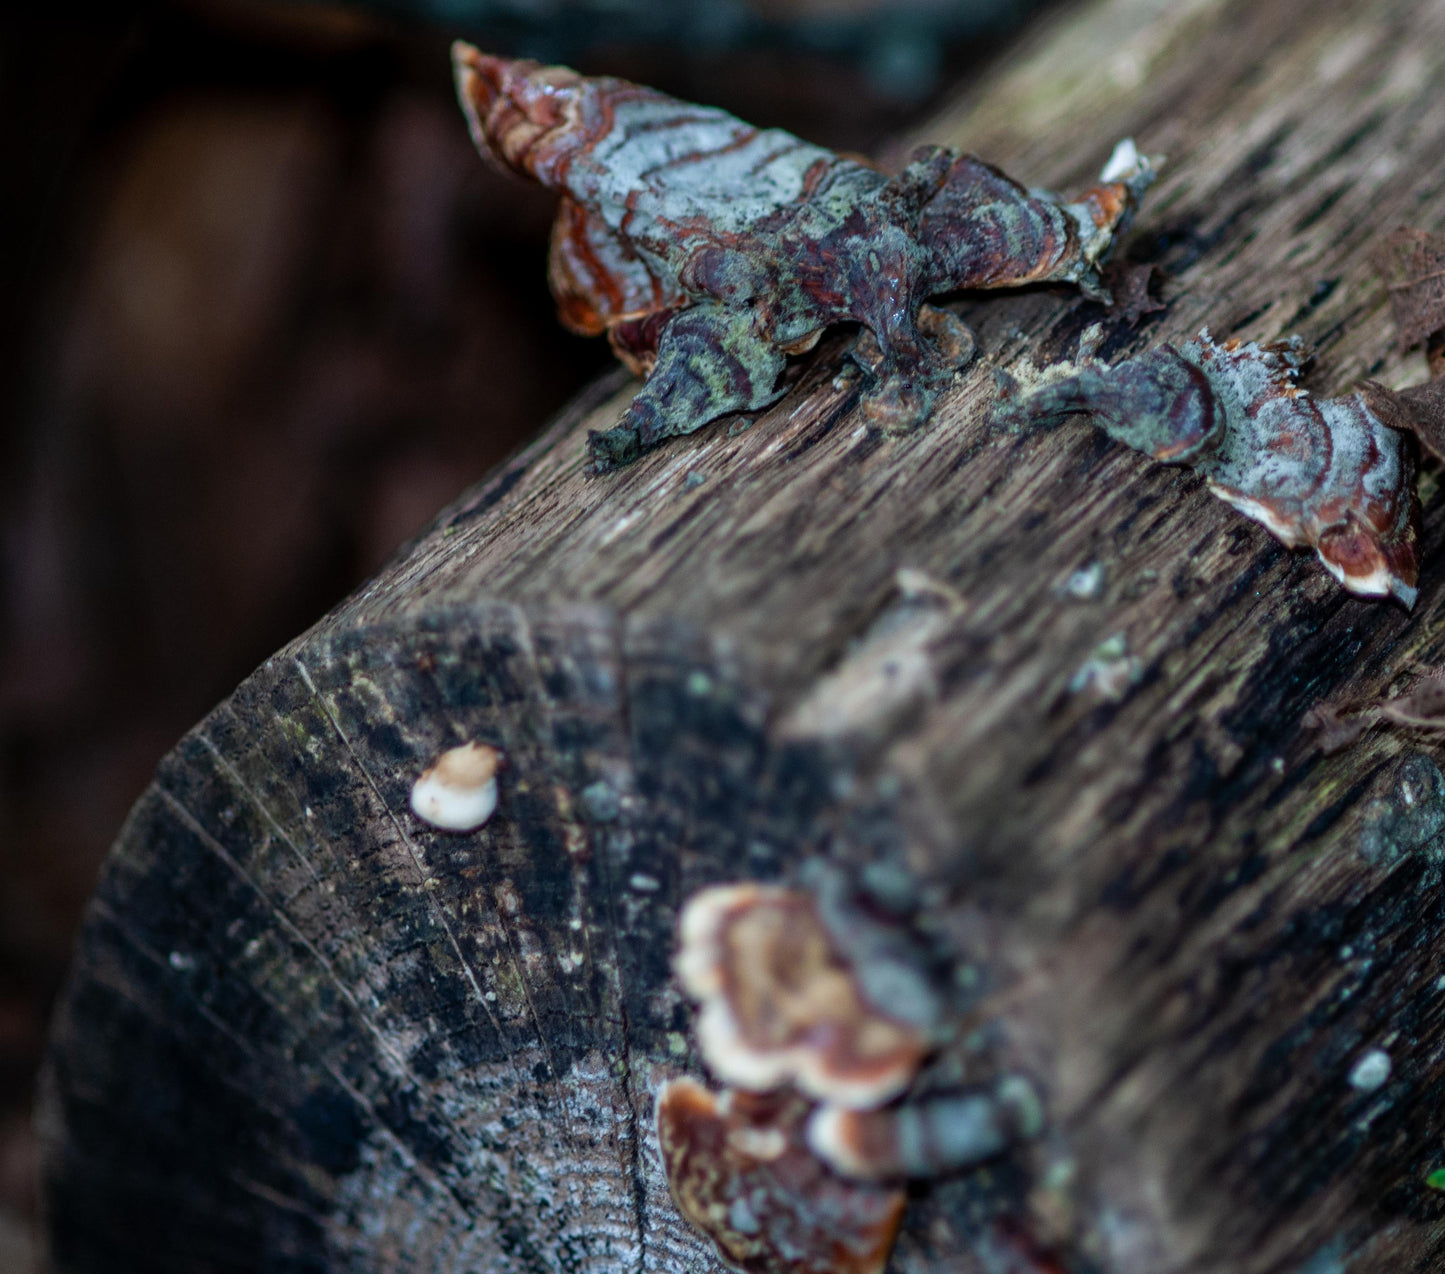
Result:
{"points": [[1054, 686]]}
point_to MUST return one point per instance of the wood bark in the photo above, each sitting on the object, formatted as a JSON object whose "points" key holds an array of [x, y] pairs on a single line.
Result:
{"points": [[305, 1032]]}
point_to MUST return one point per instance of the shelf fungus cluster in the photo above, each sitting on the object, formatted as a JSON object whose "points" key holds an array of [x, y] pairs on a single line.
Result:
{"points": [[708, 250], [1334, 474], [817, 1021]]}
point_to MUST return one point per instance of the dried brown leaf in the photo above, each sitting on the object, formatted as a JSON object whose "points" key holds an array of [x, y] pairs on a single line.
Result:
{"points": [[1427, 404], [1335, 730], [1414, 261], [1422, 707], [1419, 410], [1129, 286]]}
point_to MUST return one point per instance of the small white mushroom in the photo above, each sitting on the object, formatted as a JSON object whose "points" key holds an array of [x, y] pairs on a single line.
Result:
{"points": [[459, 791]]}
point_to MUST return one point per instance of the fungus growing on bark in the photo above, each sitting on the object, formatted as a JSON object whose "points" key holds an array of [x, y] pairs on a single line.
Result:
{"points": [[1328, 473], [741, 1172], [924, 1137], [791, 984], [458, 792], [709, 250], [781, 1003]]}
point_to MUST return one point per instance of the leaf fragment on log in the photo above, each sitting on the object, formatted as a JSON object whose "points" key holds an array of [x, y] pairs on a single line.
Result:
{"points": [[1417, 259], [1421, 708]]}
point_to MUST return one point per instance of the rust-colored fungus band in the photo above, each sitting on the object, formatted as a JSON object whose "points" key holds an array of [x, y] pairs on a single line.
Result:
{"points": [[1326, 473]]}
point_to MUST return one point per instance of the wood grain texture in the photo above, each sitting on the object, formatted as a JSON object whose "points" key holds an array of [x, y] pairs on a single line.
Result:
{"points": [[305, 1032]]}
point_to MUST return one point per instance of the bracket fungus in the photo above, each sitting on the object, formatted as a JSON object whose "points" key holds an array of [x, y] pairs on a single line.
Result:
{"points": [[1327, 473], [458, 791], [709, 250], [924, 1137], [740, 1171], [798, 1165], [781, 1003]]}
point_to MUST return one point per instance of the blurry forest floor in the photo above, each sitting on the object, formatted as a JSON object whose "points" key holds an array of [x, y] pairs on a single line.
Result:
{"points": [[264, 313]]}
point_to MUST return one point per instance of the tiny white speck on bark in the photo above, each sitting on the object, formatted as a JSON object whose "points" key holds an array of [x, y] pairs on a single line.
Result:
{"points": [[1370, 1070]]}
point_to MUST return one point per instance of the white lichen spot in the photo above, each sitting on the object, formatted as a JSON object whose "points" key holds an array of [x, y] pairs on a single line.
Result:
{"points": [[644, 883], [1086, 584], [1060, 1174], [1023, 1101], [602, 801], [1370, 1071], [459, 792], [1109, 672]]}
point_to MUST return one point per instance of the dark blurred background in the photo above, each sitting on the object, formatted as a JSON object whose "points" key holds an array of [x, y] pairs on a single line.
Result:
{"points": [[262, 313]]}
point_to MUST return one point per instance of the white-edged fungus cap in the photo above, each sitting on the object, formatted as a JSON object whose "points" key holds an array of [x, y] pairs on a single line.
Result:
{"points": [[915, 1139], [780, 1004]]}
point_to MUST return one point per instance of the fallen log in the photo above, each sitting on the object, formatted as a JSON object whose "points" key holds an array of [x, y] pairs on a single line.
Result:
{"points": [[1044, 692]]}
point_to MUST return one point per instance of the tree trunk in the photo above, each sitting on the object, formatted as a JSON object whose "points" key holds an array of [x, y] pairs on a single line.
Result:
{"points": [[305, 1031]]}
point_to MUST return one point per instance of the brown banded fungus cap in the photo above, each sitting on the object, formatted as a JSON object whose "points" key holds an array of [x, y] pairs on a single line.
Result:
{"points": [[741, 1172], [781, 1003]]}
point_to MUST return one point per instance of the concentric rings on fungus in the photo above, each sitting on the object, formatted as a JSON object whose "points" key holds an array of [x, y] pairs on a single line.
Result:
{"points": [[1332, 474], [741, 1172], [709, 250], [780, 1004]]}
